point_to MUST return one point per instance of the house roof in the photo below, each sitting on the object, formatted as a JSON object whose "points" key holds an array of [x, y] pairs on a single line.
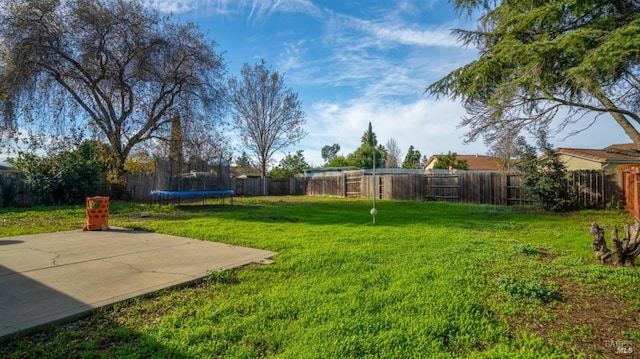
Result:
{"points": [[618, 153], [476, 162]]}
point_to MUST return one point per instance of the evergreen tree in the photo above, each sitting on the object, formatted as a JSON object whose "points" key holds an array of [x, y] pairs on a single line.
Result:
{"points": [[412, 159], [329, 152], [244, 164], [363, 156], [176, 159], [538, 59], [545, 177]]}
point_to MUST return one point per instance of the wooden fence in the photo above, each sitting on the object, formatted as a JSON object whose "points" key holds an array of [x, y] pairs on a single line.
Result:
{"points": [[631, 185], [475, 187], [594, 188], [14, 192]]}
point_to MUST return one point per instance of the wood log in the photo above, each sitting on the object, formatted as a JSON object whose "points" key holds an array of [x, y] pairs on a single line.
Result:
{"points": [[616, 248], [622, 252], [598, 244]]}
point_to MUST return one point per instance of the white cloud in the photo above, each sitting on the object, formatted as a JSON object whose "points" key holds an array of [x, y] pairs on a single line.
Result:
{"points": [[387, 65], [173, 6], [431, 127], [390, 31], [256, 8], [401, 34], [383, 57], [295, 6], [292, 56]]}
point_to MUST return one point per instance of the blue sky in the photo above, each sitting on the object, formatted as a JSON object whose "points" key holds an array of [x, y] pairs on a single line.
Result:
{"points": [[353, 62]]}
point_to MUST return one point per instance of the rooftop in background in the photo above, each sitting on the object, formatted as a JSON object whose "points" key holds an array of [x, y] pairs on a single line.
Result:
{"points": [[317, 170], [476, 162], [618, 153]]}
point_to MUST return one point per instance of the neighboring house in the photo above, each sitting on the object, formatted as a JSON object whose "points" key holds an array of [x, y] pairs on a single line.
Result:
{"points": [[620, 164], [610, 159], [476, 162], [613, 160]]}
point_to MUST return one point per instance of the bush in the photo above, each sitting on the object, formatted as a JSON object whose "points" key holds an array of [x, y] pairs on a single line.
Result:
{"points": [[535, 289], [62, 178], [8, 191], [545, 177], [290, 165]]}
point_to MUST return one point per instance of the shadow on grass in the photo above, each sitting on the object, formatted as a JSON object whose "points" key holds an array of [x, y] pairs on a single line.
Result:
{"points": [[93, 337], [38, 321], [320, 211], [353, 212]]}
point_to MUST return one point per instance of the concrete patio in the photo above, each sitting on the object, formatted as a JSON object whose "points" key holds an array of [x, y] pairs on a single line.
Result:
{"points": [[52, 277]]}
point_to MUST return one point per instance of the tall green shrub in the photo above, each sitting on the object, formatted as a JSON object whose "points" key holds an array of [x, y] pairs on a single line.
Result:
{"points": [[450, 161], [290, 165], [8, 191], [66, 177], [545, 176]]}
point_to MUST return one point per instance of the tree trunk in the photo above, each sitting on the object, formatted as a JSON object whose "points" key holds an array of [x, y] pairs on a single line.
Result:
{"points": [[115, 177], [622, 252], [620, 118]]}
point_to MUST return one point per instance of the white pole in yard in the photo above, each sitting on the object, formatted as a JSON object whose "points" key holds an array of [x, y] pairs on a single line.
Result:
{"points": [[374, 211]]}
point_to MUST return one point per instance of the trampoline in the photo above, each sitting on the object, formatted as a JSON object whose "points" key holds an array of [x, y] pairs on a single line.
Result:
{"points": [[175, 183]]}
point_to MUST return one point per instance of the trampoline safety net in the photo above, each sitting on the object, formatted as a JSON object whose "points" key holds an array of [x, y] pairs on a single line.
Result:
{"points": [[171, 176]]}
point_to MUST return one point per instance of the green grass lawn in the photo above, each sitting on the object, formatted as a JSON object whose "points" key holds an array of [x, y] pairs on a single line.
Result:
{"points": [[428, 280]]}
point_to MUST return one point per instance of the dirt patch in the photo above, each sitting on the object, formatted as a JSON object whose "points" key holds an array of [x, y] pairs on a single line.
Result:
{"points": [[548, 256], [594, 324]]}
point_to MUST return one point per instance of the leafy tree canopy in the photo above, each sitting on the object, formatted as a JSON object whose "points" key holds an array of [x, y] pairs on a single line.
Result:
{"points": [[140, 163], [290, 165], [539, 59], [64, 177], [450, 161], [338, 161], [112, 67], [329, 152], [363, 156]]}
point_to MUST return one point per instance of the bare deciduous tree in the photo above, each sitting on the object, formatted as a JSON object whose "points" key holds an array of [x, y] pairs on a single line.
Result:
{"points": [[505, 149], [393, 153], [267, 114]]}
